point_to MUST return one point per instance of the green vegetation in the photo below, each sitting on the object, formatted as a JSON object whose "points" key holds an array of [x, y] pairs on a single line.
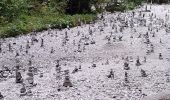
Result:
{"points": [[124, 5], [24, 16], [38, 23], [116, 7]]}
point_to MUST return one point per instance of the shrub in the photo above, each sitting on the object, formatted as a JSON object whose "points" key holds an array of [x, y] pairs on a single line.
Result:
{"points": [[11, 9], [115, 7]]}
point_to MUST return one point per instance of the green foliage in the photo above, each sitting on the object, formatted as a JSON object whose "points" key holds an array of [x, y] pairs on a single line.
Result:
{"points": [[135, 2], [116, 7], [97, 4], [130, 5], [11, 9], [58, 5], [23, 16], [125, 5], [29, 23]]}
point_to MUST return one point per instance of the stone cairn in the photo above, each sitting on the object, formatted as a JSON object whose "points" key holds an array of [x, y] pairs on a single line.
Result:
{"points": [[75, 70], [167, 77], [58, 71], [160, 56], [0, 47], [138, 62], [10, 47], [23, 91], [111, 75], [18, 78], [107, 62], [58, 75], [4, 73], [27, 47], [144, 60], [42, 42], [67, 82], [94, 65], [126, 77], [52, 50], [143, 73], [41, 75], [28, 83], [30, 78], [126, 66]]}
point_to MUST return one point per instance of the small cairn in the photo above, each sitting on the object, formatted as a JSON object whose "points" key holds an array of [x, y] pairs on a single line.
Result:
{"points": [[126, 66], [17, 54], [30, 78], [160, 56], [126, 77], [148, 52], [168, 79], [138, 62], [58, 75], [52, 50], [0, 47], [23, 91], [160, 41], [67, 82], [10, 47], [152, 48], [111, 75], [120, 38], [18, 78], [80, 67], [94, 65], [42, 42], [75, 70], [144, 60], [58, 70], [29, 92], [143, 73], [29, 62], [107, 62], [41, 75], [92, 42], [27, 47]]}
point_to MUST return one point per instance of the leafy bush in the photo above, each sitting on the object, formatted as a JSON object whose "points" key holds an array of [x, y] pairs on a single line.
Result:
{"points": [[58, 5], [23, 16], [29, 23], [11, 9], [130, 5]]}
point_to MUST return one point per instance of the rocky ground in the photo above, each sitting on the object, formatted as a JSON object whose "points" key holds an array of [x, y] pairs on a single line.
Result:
{"points": [[139, 38]]}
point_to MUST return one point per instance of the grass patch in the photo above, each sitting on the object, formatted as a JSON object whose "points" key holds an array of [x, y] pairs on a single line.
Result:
{"points": [[26, 24]]}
